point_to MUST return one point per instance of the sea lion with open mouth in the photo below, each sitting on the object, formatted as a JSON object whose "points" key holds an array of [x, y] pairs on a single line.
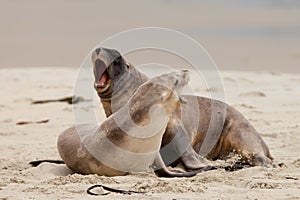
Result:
{"points": [[129, 140], [190, 126]]}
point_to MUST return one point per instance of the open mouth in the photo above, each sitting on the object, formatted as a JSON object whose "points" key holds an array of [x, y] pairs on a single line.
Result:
{"points": [[102, 78]]}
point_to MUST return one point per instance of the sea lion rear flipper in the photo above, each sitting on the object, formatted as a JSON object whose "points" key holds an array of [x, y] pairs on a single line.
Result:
{"points": [[260, 159]]}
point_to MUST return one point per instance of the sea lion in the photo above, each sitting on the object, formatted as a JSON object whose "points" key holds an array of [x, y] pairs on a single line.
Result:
{"points": [[116, 80], [129, 140]]}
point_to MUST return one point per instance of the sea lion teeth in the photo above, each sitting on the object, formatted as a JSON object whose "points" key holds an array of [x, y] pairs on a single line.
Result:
{"points": [[103, 79]]}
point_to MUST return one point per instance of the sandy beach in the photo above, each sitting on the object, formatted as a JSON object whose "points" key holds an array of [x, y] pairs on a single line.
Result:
{"points": [[255, 44], [269, 100]]}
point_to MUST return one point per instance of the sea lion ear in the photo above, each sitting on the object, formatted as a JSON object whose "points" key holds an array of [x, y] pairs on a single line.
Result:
{"points": [[176, 82], [127, 64]]}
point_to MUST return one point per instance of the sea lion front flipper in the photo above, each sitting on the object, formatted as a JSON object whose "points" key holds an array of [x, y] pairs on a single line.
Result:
{"points": [[161, 170], [180, 147], [192, 161]]}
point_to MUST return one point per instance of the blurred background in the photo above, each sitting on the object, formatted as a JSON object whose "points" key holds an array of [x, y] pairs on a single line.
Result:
{"points": [[238, 34]]}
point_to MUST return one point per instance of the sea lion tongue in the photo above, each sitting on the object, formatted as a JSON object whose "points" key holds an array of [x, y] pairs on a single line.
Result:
{"points": [[102, 75], [103, 78]]}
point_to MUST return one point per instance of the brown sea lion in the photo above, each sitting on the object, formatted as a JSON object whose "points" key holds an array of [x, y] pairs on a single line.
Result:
{"points": [[129, 140], [219, 130]]}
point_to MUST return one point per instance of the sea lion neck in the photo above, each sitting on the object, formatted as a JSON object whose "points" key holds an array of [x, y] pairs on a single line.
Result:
{"points": [[121, 90]]}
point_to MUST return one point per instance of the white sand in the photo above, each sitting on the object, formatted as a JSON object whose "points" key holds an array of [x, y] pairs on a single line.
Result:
{"points": [[270, 101]]}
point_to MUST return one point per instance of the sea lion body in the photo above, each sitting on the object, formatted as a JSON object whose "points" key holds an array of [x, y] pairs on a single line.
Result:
{"points": [[237, 135], [186, 129], [129, 140], [77, 157]]}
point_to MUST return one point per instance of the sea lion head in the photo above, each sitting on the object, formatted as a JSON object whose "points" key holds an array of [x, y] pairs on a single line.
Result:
{"points": [[170, 85], [162, 90], [109, 65]]}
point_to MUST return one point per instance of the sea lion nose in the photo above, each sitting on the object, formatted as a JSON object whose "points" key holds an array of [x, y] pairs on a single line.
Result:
{"points": [[96, 54], [98, 51]]}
